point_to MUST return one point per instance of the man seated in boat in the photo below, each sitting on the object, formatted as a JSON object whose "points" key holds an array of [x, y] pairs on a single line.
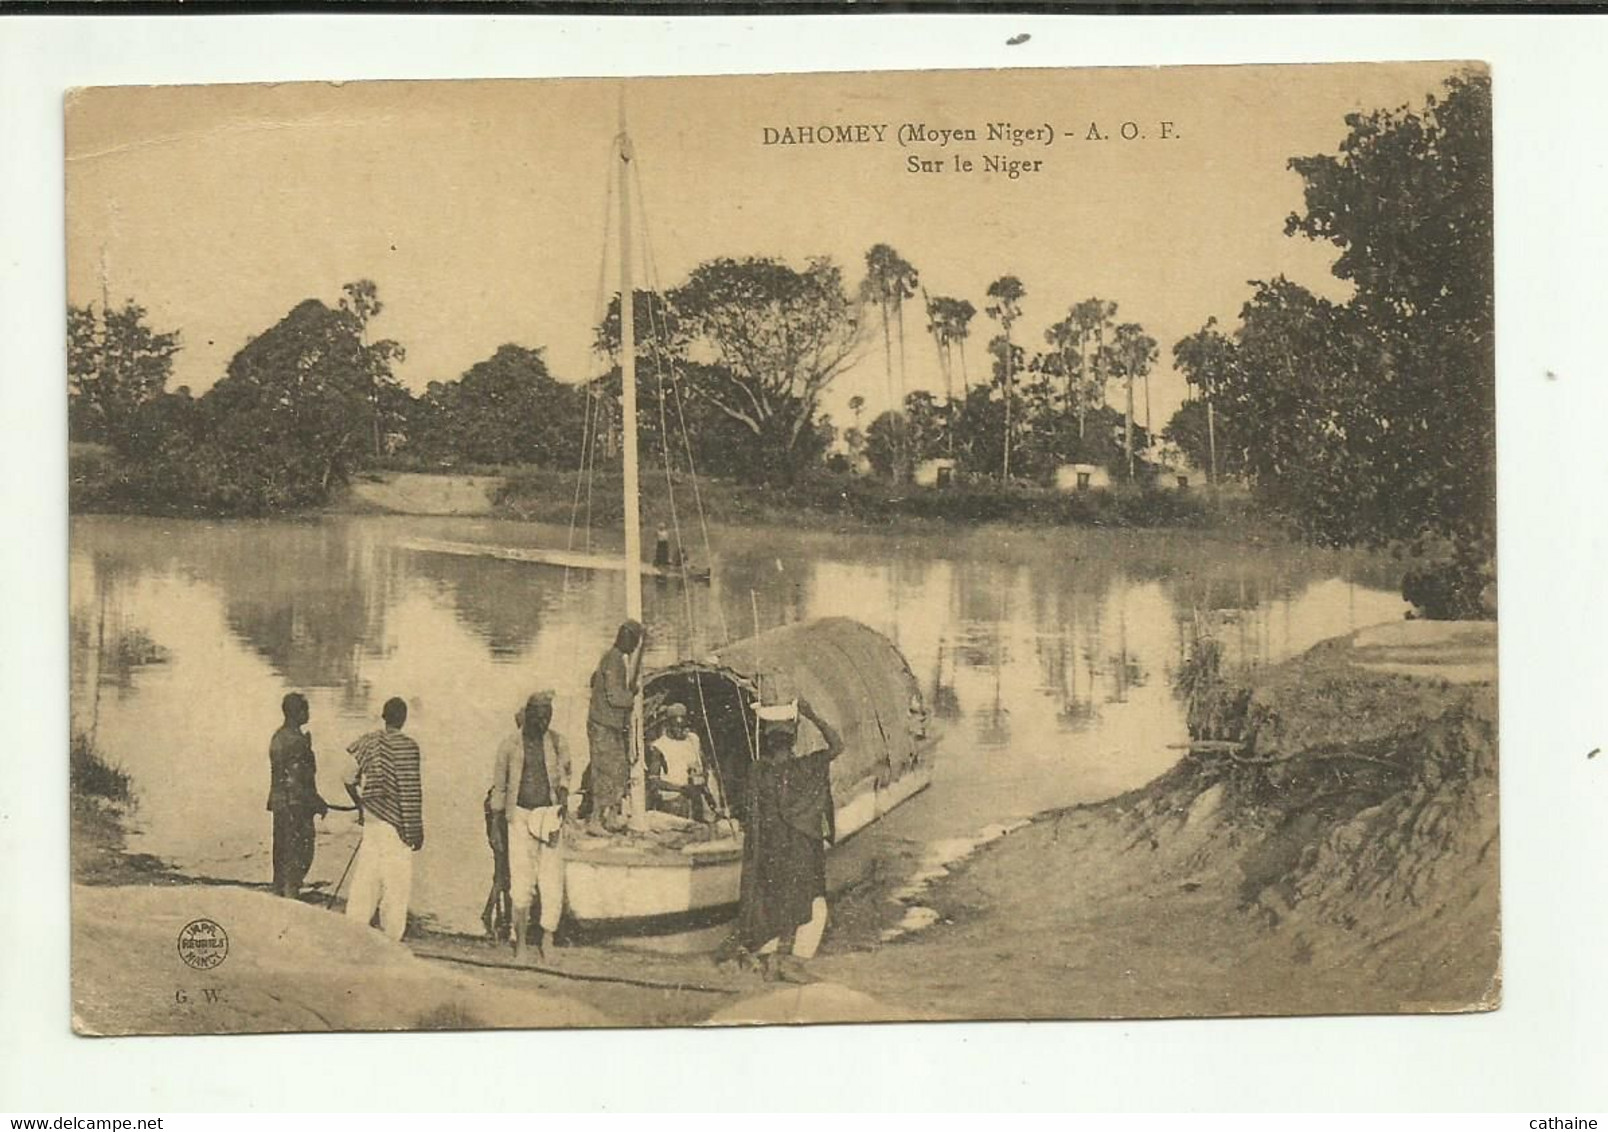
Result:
{"points": [[677, 781]]}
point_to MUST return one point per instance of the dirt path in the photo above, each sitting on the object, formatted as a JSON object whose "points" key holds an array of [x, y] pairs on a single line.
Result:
{"points": [[414, 493]]}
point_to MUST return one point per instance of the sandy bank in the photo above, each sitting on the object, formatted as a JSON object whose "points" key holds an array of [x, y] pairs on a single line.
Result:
{"points": [[415, 493], [1344, 861], [289, 967]]}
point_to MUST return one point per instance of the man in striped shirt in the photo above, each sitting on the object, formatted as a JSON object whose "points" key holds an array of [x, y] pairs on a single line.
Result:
{"points": [[383, 779]]}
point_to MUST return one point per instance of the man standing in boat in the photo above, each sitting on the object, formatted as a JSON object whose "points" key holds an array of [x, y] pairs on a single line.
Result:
{"points": [[530, 784], [782, 906], [608, 726], [293, 796], [384, 780]]}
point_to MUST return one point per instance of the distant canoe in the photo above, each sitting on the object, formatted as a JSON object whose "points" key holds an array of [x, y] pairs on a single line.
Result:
{"points": [[566, 559]]}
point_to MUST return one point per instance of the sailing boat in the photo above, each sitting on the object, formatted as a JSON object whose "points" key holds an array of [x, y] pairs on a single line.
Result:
{"points": [[665, 873]]}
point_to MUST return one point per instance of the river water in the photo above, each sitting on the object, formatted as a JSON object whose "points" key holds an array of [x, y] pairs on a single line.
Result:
{"points": [[1047, 656]]}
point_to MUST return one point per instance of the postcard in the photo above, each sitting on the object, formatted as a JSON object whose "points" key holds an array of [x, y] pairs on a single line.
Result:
{"points": [[1025, 549]]}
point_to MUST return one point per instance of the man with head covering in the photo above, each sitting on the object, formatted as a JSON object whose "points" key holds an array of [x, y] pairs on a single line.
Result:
{"points": [[677, 783], [530, 783], [293, 796], [790, 820], [608, 726]]}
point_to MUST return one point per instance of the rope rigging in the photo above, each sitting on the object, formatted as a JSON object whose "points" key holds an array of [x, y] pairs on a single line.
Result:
{"points": [[654, 290], [668, 390], [659, 334], [592, 411]]}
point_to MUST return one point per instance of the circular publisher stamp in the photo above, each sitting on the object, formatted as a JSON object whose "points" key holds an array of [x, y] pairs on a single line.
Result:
{"points": [[203, 944]]}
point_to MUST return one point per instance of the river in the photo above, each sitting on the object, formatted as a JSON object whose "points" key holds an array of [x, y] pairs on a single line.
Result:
{"points": [[1046, 655]]}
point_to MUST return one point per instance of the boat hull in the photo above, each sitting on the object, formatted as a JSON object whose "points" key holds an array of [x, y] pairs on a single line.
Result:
{"points": [[567, 559], [645, 892]]}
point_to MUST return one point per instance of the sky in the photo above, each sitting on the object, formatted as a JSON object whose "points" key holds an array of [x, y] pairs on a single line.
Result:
{"points": [[479, 207]]}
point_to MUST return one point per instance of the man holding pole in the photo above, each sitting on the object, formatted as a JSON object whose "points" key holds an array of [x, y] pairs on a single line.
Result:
{"points": [[608, 726], [530, 786], [293, 796]]}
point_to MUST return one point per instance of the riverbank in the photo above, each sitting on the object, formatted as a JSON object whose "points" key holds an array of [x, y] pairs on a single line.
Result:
{"points": [[822, 500], [1340, 857], [841, 500], [1342, 861]]}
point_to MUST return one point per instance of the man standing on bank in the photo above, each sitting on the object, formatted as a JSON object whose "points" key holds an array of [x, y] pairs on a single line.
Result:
{"points": [[530, 784], [608, 726], [293, 796], [383, 779], [782, 902]]}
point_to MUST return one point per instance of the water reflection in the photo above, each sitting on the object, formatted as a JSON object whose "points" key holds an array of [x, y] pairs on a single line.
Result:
{"points": [[1046, 656]]}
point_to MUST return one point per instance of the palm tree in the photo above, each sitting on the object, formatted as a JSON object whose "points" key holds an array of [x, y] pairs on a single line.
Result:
{"points": [[947, 321], [1085, 324], [1063, 337], [1206, 358], [890, 279], [1135, 352], [1007, 292], [959, 330]]}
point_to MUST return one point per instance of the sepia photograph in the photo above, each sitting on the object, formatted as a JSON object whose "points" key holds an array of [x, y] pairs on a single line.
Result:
{"points": [[844, 547]]}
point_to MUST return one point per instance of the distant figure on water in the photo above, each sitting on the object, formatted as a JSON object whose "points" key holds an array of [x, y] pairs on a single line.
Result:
{"points": [[608, 725], [530, 787], [293, 796], [677, 782], [782, 907], [384, 780]]}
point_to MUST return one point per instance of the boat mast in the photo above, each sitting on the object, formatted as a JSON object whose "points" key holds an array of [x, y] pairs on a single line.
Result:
{"points": [[633, 499]]}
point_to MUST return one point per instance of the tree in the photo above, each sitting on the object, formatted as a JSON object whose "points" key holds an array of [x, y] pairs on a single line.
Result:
{"points": [[1199, 440], [288, 420], [897, 442], [295, 408], [360, 302], [779, 337], [1007, 294], [1375, 418], [979, 430], [1408, 202], [506, 409], [1133, 352], [115, 365], [1206, 359], [948, 321], [1080, 339], [889, 281], [1043, 423], [886, 445]]}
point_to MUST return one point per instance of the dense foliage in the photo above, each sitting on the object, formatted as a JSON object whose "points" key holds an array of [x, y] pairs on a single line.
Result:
{"points": [[750, 345], [116, 364], [507, 409], [1372, 421], [300, 406]]}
